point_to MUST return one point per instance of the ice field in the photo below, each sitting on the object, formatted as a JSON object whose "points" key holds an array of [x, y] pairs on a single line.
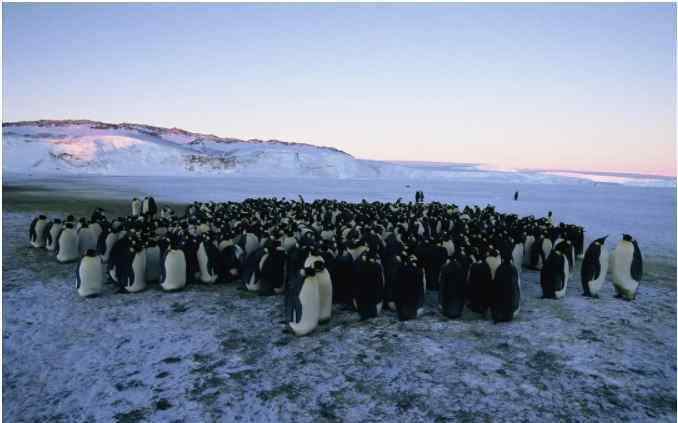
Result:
{"points": [[212, 353]]}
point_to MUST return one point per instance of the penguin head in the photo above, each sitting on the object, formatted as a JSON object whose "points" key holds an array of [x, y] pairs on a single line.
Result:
{"points": [[42, 217], [69, 225], [57, 221], [90, 253], [601, 241], [627, 237]]}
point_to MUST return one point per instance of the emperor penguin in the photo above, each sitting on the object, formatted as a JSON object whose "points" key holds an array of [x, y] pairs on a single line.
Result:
{"points": [[452, 287], [324, 281], [87, 239], [529, 241], [594, 267], [555, 273], [251, 271], [272, 270], [506, 300], [627, 267], [134, 276], [89, 275], [302, 302], [52, 232], [173, 269], [107, 241], [480, 286], [153, 261], [208, 256], [409, 287], [517, 254], [38, 231], [368, 287], [136, 207], [148, 207], [67, 244], [493, 260]]}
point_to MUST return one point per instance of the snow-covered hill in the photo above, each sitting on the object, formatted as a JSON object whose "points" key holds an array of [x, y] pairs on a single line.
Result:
{"points": [[84, 147], [88, 147]]}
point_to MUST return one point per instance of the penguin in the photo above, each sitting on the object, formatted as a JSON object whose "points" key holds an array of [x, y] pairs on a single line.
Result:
{"points": [[479, 287], [250, 273], [344, 270], [409, 288], [272, 269], [106, 242], [153, 260], [190, 248], [173, 269], [452, 288], [37, 231], [594, 267], [493, 260], [627, 268], [506, 299], [52, 232], [87, 239], [148, 207], [555, 274], [133, 275], [302, 302], [208, 256], [67, 244], [517, 254], [118, 259], [89, 275], [527, 251], [324, 282], [136, 207], [368, 286]]}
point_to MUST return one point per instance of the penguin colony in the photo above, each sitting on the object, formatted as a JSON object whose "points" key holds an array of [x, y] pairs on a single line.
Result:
{"points": [[365, 256]]}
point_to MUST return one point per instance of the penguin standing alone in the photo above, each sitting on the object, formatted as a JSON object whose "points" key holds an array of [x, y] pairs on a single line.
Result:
{"points": [[627, 268], [594, 267]]}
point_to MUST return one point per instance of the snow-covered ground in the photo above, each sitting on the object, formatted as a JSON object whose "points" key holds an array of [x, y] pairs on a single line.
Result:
{"points": [[218, 354]]}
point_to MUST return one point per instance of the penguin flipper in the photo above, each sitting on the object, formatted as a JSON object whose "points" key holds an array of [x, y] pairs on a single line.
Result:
{"points": [[637, 263], [78, 282], [48, 234]]}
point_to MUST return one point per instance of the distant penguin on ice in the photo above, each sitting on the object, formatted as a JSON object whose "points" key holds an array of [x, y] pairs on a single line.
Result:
{"points": [[89, 275], [627, 268], [594, 267]]}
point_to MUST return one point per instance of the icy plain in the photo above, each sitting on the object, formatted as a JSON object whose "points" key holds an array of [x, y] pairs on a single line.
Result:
{"points": [[212, 353]]}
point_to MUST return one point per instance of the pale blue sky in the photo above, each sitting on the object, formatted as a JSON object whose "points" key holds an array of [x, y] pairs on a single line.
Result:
{"points": [[585, 87]]}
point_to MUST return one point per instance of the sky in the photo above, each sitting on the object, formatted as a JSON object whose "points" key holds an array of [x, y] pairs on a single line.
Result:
{"points": [[581, 87]]}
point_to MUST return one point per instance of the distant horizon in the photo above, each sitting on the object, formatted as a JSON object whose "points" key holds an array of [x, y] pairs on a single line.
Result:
{"points": [[493, 167]]}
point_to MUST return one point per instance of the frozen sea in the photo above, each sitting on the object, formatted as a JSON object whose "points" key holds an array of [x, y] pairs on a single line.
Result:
{"points": [[212, 353]]}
